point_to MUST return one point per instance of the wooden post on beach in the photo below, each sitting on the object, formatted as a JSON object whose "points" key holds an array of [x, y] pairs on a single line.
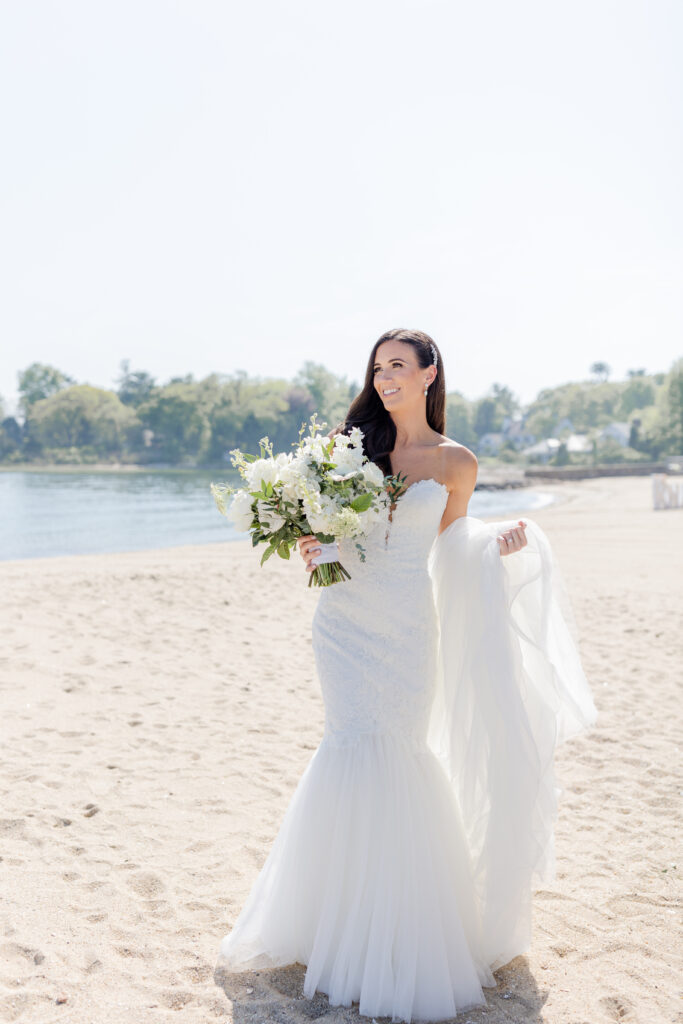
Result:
{"points": [[666, 491]]}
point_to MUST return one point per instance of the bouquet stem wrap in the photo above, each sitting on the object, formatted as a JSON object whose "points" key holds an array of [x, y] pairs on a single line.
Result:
{"points": [[328, 567]]}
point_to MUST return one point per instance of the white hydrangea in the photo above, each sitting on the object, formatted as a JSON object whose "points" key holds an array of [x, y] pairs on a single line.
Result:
{"points": [[239, 511], [297, 478]]}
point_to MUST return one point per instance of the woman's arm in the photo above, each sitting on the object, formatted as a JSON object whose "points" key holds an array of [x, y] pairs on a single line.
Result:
{"points": [[460, 470]]}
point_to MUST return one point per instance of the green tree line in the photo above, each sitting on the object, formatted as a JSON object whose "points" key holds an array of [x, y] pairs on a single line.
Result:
{"points": [[188, 422]]}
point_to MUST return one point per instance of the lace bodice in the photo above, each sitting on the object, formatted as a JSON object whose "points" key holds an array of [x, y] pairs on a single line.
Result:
{"points": [[375, 635]]}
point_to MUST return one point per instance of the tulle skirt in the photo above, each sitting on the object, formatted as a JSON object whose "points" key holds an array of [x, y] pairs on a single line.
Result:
{"points": [[369, 884]]}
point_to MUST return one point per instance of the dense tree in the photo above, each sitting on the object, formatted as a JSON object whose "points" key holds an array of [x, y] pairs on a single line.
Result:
{"points": [[601, 370], [507, 403], [40, 381], [10, 433], [178, 421], [459, 416], [198, 422], [134, 387], [487, 417], [638, 393], [83, 417], [331, 395]]}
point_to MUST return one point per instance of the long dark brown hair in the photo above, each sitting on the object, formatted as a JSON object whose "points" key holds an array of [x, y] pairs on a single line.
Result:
{"points": [[367, 409]]}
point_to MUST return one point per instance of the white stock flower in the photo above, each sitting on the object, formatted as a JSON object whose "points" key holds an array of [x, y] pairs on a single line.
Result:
{"points": [[313, 447], [239, 512], [356, 437]]}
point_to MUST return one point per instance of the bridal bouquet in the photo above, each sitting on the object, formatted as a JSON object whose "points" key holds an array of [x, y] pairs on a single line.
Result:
{"points": [[327, 487]]}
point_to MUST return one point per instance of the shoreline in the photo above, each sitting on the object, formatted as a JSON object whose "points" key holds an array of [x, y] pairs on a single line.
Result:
{"points": [[558, 491], [489, 478]]}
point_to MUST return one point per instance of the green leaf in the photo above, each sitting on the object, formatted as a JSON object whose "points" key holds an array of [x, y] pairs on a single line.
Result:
{"points": [[267, 553], [362, 503], [283, 550]]}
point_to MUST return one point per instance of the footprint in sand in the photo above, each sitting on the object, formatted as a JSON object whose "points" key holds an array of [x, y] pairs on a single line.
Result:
{"points": [[147, 885], [618, 1008]]}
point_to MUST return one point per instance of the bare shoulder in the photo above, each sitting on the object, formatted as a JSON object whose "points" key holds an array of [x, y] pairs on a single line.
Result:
{"points": [[459, 466]]}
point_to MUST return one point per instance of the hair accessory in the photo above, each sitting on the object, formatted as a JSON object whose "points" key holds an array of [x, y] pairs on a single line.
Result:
{"points": [[434, 358]]}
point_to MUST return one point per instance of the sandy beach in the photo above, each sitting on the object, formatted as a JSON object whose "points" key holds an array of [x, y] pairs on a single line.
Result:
{"points": [[157, 714]]}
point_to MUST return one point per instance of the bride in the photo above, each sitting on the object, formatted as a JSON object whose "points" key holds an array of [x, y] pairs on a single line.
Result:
{"points": [[403, 869]]}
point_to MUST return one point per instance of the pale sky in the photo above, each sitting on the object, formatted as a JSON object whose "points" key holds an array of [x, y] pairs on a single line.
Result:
{"points": [[205, 186]]}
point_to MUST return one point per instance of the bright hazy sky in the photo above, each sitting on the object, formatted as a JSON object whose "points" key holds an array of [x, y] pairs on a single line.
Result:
{"points": [[206, 186]]}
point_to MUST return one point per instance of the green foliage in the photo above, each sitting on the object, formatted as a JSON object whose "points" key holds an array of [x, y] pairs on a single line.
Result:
{"points": [[134, 388], [488, 418], [601, 370], [199, 422], [39, 381], [244, 409], [82, 416], [10, 439], [459, 419], [661, 432], [331, 395], [588, 405], [177, 417]]}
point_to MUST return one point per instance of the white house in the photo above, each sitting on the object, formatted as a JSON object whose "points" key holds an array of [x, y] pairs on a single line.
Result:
{"points": [[578, 443], [617, 431], [544, 450]]}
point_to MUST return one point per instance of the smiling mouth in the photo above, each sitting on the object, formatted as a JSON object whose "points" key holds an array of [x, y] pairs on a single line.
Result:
{"points": [[390, 391]]}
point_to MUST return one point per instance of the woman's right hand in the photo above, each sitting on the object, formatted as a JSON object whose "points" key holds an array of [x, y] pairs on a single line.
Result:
{"points": [[309, 547]]}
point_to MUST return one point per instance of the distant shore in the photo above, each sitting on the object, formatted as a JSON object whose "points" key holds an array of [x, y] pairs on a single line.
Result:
{"points": [[489, 478]]}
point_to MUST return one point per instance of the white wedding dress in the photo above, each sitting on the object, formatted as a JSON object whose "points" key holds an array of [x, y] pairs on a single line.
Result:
{"points": [[403, 869]]}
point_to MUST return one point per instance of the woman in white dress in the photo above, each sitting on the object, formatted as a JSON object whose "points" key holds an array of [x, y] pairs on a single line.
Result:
{"points": [[403, 869]]}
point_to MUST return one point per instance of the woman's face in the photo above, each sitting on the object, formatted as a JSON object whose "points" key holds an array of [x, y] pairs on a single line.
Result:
{"points": [[398, 378]]}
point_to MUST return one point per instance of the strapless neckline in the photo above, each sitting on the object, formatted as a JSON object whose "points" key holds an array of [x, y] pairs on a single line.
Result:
{"points": [[425, 480]]}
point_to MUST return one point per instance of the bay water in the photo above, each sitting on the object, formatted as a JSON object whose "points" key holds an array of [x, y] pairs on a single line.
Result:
{"points": [[45, 513]]}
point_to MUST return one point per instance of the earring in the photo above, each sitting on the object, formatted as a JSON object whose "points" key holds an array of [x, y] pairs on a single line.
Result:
{"points": [[426, 388]]}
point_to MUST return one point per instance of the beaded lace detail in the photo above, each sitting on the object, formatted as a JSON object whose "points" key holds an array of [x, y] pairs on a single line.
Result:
{"points": [[375, 635]]}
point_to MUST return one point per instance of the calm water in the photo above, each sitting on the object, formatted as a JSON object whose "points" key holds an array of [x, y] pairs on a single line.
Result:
{"points": [[46, 514]]}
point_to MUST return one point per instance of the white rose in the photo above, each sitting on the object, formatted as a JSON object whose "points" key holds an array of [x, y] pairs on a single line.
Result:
{"points": [[347, 460], [266, 470], [373, 474], [239, 513]]}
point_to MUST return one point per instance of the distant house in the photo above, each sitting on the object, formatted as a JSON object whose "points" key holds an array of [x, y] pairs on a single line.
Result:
{"points": [[617, 431], [543, 451], [514, 431], [490, 444], [579, 443]]}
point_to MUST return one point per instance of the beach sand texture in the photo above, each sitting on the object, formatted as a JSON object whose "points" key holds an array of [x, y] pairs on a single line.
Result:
{"points": [[159, 707]]}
